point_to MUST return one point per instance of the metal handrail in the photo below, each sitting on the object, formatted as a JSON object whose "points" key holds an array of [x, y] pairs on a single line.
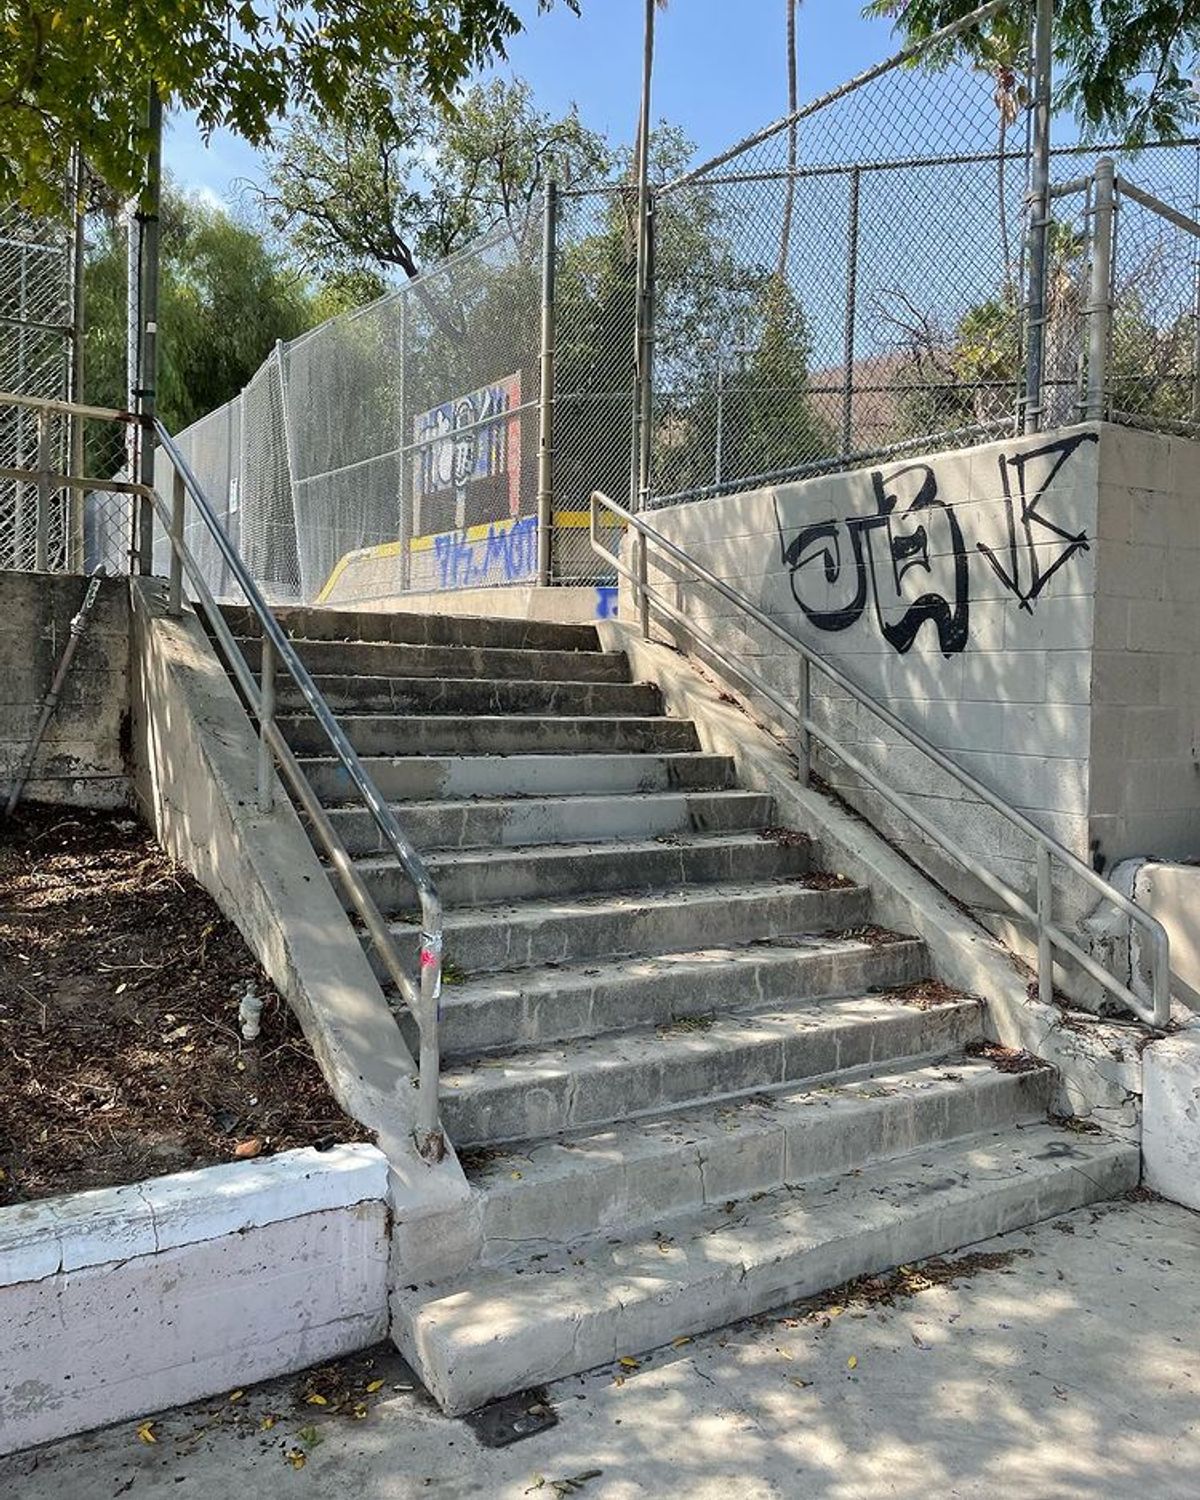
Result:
{"points": [[1049, 934], [423, 996]]}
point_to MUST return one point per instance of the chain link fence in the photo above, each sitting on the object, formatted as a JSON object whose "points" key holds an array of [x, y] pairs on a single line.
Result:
{"points": [[36, 326], [846, 284]]}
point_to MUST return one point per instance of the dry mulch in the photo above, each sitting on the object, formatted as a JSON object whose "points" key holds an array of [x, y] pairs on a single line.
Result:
{"points": [[120, 1051]]}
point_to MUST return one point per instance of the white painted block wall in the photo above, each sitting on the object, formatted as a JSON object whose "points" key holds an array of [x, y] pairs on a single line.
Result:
{"points": [[1032, 606], [117, 1303]]}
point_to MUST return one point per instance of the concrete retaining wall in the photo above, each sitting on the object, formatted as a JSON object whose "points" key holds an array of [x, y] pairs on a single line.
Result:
{"points": [[81, 761], [120, 1302]]}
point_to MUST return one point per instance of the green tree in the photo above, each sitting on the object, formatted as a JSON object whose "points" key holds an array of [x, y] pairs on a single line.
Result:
{"points": [[354, 193], [1123, 66], [77, 72], [225, 298]]}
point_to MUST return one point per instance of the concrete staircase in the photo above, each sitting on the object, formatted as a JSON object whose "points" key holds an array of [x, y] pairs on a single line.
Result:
{"points": [[686, 1076]]}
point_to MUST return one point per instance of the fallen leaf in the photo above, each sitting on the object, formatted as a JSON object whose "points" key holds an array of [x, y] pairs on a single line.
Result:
{"points": [[628, 1362], [680, 1341], [244, 1149], [268, 1422], [852, 1362], [310, 1437], [516, 1176], [360, 1410], [783, 1354], [375, 1385], [146, 1432], [574, 1482], [236, 1395], [297, 1457], [796, 1381], [316, 1399]]}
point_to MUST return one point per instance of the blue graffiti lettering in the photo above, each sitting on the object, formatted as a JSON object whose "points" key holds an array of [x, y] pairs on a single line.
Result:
{"points": [[507, 554]]}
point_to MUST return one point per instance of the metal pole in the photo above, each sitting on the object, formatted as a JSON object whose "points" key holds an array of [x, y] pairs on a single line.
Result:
{"points": [[77, 497], [45, 469], [719, 444], [1045, 966], [1039, 219], [178, 504], [642, 590], [646, 426], [1100, 302], [405, 456], [851, 315], [266, 717], [546, 394], [148, 325], [641, 277], [803, 708]]}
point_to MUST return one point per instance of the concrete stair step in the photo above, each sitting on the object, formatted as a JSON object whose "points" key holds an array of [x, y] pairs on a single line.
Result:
{"points": [[346, 693], [568, 929], [517, 821], [391, 659], [495, 734], [556, 1003], [478, 877], [605, 1181], [527, 1095], [426, 777], [317, 624], [503, 1330]]}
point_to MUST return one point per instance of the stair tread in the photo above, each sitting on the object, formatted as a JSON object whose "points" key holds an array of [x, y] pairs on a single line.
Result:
{"points": [[633, 902], [559, 977], [568, 1310], [739, 839], [555, 1161], [303, 640], [529, 757], [724, 793], [724, 1031]]}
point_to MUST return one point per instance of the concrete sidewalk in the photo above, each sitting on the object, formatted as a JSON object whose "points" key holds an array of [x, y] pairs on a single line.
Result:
{"points": [[1072, 1368]]}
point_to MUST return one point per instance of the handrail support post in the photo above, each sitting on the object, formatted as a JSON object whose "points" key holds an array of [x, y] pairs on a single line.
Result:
{"points": [[178, 506], [803, 739], [266, 717], [1045, 946]]}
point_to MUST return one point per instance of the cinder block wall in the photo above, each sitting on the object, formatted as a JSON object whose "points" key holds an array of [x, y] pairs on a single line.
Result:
{"points": [[998, 601], [1145, 777], [82, 759]]}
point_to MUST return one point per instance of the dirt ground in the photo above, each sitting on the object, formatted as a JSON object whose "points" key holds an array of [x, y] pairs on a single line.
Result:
{"points": [[120, 1051]]}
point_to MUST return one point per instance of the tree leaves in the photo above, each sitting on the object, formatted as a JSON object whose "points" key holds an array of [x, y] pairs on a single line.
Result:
{"points": [[80, 71]]}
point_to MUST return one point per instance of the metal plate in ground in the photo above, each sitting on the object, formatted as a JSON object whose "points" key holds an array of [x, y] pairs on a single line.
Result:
{"points": [[512, 1418]]}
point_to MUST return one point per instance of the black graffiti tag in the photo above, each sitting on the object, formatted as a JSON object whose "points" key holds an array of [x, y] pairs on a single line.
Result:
{"points": [[1057, 452], [906, 545]]}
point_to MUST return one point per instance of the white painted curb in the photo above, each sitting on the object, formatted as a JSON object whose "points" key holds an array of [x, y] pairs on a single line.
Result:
{"points": [[119, 1302]]}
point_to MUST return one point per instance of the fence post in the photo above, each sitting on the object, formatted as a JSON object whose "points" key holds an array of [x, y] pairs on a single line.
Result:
{"points": [[406, 455], [178, 504], [148, 329], [546, 393], [645, 426], [851, 314], [1039, 220], [1101, 297], [642, 270], [76, 497], [41, 535]]}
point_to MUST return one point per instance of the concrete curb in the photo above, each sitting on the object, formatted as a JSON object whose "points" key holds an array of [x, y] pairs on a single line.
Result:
{"points": [[1098, 1062], [118, 1302]]}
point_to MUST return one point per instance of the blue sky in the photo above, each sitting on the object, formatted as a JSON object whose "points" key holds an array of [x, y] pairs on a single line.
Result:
{"points": [[719, 72]]}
